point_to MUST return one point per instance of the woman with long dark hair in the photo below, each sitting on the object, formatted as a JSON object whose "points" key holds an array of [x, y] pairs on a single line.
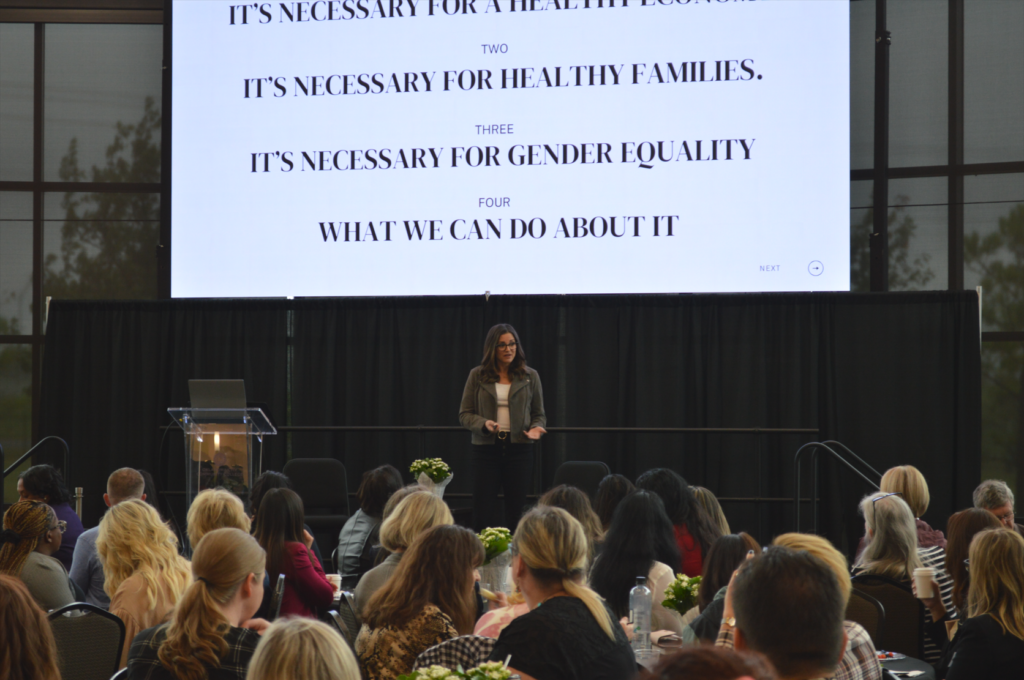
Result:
{"points": [[640, 542], [726, 555], [695, 531], [279, 531], [577, 504], [45, 484], [610, 492], [503, 406]]}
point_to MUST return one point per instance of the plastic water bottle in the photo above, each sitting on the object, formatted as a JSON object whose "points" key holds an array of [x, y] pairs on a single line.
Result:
{"points": [[640, 614]]}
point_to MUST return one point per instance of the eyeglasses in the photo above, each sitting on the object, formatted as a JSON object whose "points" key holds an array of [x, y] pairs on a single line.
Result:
{"points": [[894, 493], [1005, 516], [967, 564], [502, 345], [62, 526]]}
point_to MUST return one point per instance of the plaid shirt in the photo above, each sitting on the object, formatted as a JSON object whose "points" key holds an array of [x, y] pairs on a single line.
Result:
{"points": [[859, 662], [466, 650], [143, 663]]}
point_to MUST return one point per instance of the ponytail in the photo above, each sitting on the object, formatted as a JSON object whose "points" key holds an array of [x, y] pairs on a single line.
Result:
{"points": [[594, 603], [24, 523]]}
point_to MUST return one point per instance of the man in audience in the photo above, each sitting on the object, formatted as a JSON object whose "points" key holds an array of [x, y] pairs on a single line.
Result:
{"points": [[995, 496], [789, 606], [86, 571]]}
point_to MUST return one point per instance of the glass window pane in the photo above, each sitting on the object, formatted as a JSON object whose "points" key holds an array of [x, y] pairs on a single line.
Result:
{"points": [[918, 83], [994, 247], [860, 231], [100, 245], [15, 263], [16, 57], [102, 89], [862, 84], [918, 234], [993, 81], [1002, 413], [16, 406]]}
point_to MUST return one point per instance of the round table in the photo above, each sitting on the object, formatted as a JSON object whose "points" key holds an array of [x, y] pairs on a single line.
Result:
{"points": [[910, 664]]}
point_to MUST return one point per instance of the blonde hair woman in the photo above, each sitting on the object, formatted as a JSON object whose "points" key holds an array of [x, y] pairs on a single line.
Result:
{"points": [[302, 649], [569, 632], [912, 487], [215, 509], [710, 503], [990, 643], [145, 576], [416, 513], [212, 628]]}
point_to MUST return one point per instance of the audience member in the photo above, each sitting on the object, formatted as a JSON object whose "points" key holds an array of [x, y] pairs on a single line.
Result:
{"points": [[150, 493], [640, 542], [892, 552], [908, 481], [215, 509], [577, 504], [995, 496], [28, 651], [726, 555], [711, 663], [279, 530], [788, 606], [143, 572], [610, 492], [961, 529], [86, 570], [44, 483], [695, 531], [429, 599], [712, 507], [264, 483], [302, 649], [362, 530], [990, 642], [570, 633], [416, 513], [205, 638], [30, 537]]}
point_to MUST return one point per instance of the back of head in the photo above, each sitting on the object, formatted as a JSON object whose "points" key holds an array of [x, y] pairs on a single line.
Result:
{"points": [[302, 649], [215, 509], [997, 579], [376, 488], [790, 608], [125, 484], [640, 534], [960, 530], [726, 555], [908, 480], [45, 482], [681, 505], [826, 552], [24, 523], [280, 520], [415, 514], [222, 561], [437, 569], [712, 507], [28, 651], [711, 663], [399, 496], [992, 494], [552, 545], [577, 504], [610, 492], [264, 483], [892, 548]]}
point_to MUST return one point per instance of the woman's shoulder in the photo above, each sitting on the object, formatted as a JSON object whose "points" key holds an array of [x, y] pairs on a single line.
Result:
{"points": [[659, 570], [933, 556]]}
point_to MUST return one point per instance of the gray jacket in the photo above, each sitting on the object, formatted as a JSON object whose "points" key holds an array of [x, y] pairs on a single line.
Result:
{"points": [[480, 404]]}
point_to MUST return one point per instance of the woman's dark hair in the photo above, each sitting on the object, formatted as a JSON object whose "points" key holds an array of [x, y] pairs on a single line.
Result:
{"points": [[376, 488], [961, 528], [489, 364], [577, 504], [640, 534], [46, 482], [152, 495], [264, 483], [726, 555], [681, 505], [610, 492], [281, 523], [711, 663]]}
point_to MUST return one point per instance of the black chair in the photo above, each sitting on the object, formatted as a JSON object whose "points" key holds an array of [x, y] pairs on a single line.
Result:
{"points": [[322, 483], [868, 612], [89, 641], [274, 610], [335, 619], [585, 475], [348, 620], [904, 614], [120, 675]]}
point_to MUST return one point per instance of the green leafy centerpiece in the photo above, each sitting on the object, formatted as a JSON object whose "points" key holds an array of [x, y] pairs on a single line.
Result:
{"points": [[491, 670], [497, 557], [432, 473], [681, 594]]}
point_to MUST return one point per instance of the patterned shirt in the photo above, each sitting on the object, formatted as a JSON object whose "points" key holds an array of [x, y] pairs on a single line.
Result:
{"points": [[468, 651], [144, 664], [389, 651]]}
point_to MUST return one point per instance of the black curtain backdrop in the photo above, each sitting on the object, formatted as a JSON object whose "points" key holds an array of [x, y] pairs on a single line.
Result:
{"points": [[896, 377]]}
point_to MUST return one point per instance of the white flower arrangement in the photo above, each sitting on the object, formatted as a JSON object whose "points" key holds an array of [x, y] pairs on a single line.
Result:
{"points": [[490, 670], [496, 541], [435, 469], [681, 594]]}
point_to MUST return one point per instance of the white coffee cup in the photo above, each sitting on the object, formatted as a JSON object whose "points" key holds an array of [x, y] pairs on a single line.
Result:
{"points": [[335, 580], [923, 580]]}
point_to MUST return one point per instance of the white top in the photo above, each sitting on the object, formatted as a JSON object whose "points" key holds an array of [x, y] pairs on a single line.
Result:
{"points": [[504, 422]]}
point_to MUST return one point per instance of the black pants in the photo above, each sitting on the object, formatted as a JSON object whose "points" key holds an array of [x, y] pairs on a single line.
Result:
{"points": [[500, 467]]}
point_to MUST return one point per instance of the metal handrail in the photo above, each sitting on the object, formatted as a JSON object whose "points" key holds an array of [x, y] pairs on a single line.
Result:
{"points": [[814, 448], [847, 449], [15, 464]]}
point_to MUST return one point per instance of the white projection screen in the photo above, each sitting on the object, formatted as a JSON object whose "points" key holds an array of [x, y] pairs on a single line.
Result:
{"points": [[448, 147]]}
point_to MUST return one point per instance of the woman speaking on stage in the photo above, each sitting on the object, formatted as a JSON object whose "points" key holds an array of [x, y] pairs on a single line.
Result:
{"points": [[503, 406]]}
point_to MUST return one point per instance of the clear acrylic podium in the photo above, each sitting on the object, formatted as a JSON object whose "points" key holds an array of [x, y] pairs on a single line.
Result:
{"points": [[219, 448]]}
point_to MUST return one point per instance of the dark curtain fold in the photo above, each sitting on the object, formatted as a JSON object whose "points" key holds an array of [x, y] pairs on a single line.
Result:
{"points": [[896, 377]]}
